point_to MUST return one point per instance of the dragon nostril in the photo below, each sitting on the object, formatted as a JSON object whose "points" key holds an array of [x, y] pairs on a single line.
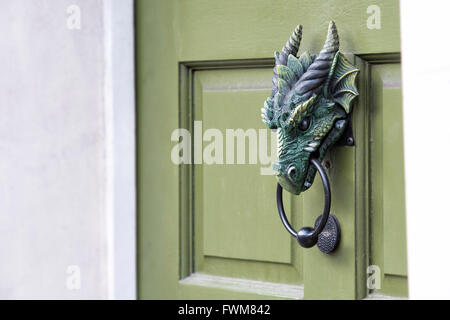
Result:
{"points": [[291, 171]]}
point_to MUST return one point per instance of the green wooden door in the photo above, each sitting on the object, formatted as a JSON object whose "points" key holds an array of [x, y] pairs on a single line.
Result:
{"points": [[210, 229]]}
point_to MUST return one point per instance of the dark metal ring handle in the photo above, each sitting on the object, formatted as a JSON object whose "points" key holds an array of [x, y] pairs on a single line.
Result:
{"points": [[308, 237]]}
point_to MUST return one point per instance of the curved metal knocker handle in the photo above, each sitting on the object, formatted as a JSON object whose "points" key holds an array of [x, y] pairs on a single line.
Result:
{"points": [[308, 237]]}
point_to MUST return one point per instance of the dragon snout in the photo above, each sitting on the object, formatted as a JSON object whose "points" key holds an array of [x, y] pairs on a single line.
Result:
{"points": [[288, 176]]}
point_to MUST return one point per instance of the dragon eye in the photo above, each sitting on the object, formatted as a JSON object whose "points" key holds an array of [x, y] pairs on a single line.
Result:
{"points": [[304, 124]]}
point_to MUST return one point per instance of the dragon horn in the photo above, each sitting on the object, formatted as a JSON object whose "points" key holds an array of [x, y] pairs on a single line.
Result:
{"points": [[291, 47], [313, 79]]}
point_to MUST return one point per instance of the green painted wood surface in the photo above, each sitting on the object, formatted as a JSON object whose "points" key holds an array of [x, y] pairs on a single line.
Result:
{"points": [[169, 34], [245, 223], [158, 178], [388, 227], [253, 29], [237, 233]]}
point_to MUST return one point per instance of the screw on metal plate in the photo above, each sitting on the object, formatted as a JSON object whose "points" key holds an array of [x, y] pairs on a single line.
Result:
{"points": [[347, 138]]}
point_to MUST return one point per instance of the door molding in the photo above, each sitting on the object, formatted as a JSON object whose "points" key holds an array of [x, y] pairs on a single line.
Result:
{"points": [[362, 122], [120, 154], [187, 171]]}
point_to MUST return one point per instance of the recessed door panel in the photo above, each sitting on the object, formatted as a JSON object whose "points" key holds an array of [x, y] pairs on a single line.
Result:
{"points": [[236, 223]]}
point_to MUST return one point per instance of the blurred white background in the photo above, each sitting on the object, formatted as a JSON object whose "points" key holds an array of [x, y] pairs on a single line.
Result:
{"points": [[426, 112]]}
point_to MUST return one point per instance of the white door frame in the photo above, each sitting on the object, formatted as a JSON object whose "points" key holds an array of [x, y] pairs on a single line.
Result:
{"points": [[119, 89]]}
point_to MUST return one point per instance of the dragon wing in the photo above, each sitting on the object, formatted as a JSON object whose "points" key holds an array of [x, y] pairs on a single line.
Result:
{"points": [[341, 85]]}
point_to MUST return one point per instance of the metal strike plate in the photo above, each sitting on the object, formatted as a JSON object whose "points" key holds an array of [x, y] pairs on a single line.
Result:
{"points": [[330, 236], [347, 139]]}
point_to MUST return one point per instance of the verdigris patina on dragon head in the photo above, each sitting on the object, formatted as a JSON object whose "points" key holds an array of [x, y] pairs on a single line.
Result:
{"points": [[309, 106]]}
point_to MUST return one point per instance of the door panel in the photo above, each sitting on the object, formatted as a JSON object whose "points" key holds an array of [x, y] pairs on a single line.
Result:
{"points": [[236, 233], [388, 227], [211, 231], [235, 226]]}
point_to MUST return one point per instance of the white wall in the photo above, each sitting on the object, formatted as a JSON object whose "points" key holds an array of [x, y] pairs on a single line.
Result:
{"points": [[426, 108], [63, 198]]}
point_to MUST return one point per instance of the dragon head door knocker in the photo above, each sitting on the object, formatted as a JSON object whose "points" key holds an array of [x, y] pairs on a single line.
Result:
{"points": [[309, 107]]}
